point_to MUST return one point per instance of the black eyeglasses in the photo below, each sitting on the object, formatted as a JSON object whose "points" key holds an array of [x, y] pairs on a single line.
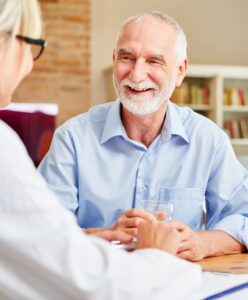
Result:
{"points": [[38, 45]]}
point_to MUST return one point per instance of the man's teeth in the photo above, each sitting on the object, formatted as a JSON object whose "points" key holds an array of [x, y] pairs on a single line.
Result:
{"points": [[139, 89]]}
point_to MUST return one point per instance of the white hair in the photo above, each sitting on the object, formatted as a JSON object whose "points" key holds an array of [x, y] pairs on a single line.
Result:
{"points": [[181, 44]]}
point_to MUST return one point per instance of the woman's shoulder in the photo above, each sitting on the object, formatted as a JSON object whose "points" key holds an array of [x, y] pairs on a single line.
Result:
{"points": [[11, 143], [8, 135]]}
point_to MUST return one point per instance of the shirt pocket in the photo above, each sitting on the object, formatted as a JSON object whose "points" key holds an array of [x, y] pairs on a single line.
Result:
{"points": [[187, 205]]}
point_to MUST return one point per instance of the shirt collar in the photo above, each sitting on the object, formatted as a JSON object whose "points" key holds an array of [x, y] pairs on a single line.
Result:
{"points": [[173, 124], [113, 124]]}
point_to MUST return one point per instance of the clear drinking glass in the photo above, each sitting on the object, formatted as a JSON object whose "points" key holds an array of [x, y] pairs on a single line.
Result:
{"points": [[154, 206]]}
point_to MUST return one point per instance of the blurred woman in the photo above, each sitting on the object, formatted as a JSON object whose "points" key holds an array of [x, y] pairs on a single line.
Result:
{"points": [[43, 253]]}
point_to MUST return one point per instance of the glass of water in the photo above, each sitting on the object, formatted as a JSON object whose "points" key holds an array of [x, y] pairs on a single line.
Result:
{"points": [[154, 206]]}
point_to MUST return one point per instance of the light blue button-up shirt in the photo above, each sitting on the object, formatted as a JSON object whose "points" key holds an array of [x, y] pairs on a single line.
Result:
{"points": [[98, 172]]}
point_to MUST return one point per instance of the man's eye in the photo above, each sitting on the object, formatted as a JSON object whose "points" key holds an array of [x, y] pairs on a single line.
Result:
{"points": [[126, 58], [154, 62]]}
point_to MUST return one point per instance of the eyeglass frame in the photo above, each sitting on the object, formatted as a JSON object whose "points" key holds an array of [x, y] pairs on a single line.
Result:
{"points": [[40, 42]]}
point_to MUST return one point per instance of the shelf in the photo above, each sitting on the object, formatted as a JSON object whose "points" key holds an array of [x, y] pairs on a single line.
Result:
{"points": [[200, 107], [237, 108], [239, 142], [196, 107], [228, 72]]}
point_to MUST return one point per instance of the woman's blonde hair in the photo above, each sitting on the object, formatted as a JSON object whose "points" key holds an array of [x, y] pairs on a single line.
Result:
{"points": [[20, 17]]}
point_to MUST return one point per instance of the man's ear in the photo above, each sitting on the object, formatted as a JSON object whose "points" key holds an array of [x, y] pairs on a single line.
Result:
{"points": [[181, 71], [113, 55]]}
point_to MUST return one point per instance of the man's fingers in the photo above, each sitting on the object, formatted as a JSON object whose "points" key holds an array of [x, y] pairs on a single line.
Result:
{"points": [[160, 215], [121, 236], [179, 226], [139, 213], [189, 255], [131, 231], [133, 222], [186, 255], [183, 246]]}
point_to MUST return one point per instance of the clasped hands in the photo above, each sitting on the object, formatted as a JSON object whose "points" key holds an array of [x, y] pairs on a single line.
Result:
{"points": [[173, 237]]}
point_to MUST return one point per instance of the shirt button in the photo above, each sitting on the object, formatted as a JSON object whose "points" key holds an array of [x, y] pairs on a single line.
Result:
{"points": [[142, 187]]}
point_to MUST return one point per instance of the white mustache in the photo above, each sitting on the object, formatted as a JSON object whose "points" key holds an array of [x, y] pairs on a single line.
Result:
{"points": [[141, 86]]}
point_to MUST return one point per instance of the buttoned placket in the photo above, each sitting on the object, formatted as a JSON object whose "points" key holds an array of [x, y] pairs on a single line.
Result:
{"points": [[144, 167]]}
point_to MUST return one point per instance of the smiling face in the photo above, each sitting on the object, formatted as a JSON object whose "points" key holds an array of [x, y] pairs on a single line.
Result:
{"points": [[146, 70]]}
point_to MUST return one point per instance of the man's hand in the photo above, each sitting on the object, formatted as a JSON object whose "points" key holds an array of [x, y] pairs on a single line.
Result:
{"points": [[131, 219], [163, 236], [193, 247], [199, 244]]}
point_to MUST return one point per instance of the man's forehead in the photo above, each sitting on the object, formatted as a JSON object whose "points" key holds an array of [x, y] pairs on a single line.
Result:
{"points": [[147, 47], [149, 32]]}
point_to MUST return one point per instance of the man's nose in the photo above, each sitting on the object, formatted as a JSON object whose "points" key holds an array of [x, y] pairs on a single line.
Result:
{"points": [[138, 72]]}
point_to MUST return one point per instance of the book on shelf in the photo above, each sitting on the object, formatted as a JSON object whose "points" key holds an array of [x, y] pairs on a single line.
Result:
{"points": [[243, 128], [181, 94], [234, 96], [191, 94], [236, 128], [242, 99]]}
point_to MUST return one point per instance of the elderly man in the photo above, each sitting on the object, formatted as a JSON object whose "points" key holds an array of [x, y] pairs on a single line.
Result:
{"points": [[142, 146]]}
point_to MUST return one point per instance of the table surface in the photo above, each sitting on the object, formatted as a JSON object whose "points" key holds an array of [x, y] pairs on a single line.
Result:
{"points": [[235, 263]]}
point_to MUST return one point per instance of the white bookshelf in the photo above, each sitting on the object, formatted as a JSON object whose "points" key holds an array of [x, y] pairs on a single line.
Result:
{"points": [[217, 78], [235, 108]]}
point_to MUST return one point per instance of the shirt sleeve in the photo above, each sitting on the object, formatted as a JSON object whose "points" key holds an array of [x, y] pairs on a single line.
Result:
{"points": [[45, 255], [227, 194], [59, 169]]}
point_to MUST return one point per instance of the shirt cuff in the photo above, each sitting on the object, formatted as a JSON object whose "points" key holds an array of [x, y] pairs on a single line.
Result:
{"points": [[236, 226]]}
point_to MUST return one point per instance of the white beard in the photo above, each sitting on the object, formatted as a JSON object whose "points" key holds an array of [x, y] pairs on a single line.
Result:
{"points": [[142, 105]]}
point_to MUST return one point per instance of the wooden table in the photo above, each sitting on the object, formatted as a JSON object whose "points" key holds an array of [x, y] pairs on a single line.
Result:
{"points": [[235, 263]]}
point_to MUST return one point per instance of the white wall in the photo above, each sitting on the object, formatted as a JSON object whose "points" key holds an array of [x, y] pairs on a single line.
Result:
{"points": [[216, 31]]}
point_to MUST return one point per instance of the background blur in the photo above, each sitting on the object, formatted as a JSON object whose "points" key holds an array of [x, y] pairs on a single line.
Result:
{"points": [[81, 36]]}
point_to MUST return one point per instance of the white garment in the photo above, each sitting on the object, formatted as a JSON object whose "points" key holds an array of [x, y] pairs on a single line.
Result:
{"points": [[45, 255]]}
